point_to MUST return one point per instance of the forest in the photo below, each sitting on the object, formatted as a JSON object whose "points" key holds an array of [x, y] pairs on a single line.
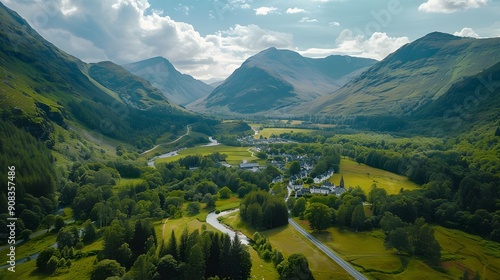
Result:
{"points": [[117, 200]]}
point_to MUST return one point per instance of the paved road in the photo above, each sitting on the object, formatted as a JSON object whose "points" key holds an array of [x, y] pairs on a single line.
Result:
{"points": [[345, 265]]}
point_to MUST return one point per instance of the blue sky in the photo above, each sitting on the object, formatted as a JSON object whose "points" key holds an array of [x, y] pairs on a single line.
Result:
{"points": [[209, 39]]}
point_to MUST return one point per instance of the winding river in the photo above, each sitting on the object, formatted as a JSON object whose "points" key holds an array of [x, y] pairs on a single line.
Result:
{"points": [[213, 221]]}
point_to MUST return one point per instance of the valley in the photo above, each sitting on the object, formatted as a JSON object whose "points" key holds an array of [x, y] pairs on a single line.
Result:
{"points": [[135, 170]]}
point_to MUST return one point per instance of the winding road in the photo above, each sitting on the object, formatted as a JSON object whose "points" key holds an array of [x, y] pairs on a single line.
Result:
{"points": [[188, 128]]}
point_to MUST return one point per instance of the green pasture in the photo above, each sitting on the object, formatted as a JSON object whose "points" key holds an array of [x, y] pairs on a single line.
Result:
{"points": [[235, 155], [460, 251], [365, 176], [261, 269], [267, 132], [289, 241], [80, 269]]}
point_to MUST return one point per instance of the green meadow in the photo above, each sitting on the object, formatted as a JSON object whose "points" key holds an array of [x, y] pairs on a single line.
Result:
{"points": [[460, 251], [267, 132], [365, 176], [289, 241], [235, 155]]}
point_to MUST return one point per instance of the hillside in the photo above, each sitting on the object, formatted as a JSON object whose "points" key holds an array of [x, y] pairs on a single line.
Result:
{"points": [[473, 100], [279, 80], [175, 86], [44, 88], [414, 75]]}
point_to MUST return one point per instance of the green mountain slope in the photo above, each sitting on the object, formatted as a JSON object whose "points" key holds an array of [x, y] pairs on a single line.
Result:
{"points": [[414, 75], [43, 87], [280, 80], [472, 101]]}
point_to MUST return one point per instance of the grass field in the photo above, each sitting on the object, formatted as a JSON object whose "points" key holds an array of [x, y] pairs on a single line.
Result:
{"points": [[460, 251], [267, 132], [80, 269], [365, 176], [235, 155], [289, 241], [468, 251]]}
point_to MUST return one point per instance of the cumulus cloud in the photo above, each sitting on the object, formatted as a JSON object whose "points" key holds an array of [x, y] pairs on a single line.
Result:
{"points": [[251, 38], [264, 11], [450, 6], [466, 32], [295, 10], [307, 19], [334, 23], [378, 46], [128, 30]]}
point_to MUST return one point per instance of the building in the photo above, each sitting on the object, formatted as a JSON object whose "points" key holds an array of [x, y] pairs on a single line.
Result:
{"points": [[252, 166]]}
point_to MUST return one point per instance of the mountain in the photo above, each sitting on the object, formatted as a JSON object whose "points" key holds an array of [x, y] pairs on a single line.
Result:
{"points": [[416, 74], [177, 87], [45, 90], [279, 80], [470, 101]]}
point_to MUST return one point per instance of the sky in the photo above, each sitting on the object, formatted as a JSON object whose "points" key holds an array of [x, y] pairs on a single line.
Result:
{"points": [[209, 39]]}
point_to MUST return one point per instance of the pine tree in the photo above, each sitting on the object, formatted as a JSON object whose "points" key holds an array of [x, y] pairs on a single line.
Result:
{"points": [[196, 263], [358, 218], [171, 248], [225, 261], [183, 246]]}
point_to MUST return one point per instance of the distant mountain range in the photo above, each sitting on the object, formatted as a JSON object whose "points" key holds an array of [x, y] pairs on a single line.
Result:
{"points": [[279, 79], [436, 76], [415, 75], [175, 86]]}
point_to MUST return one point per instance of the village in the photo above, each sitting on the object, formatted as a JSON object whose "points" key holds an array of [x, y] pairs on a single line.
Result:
{"points": [[301, 183]]}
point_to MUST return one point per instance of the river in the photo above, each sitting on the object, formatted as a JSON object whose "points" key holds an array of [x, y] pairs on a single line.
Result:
{"points": [[213, 221]]}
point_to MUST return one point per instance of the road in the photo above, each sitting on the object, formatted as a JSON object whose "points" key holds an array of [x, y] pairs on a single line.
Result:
{"points": [[188, 128], [345, 265]]}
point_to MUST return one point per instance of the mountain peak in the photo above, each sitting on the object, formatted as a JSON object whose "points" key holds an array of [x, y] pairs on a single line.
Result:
{"points": [[439, 37], [180, 88]]}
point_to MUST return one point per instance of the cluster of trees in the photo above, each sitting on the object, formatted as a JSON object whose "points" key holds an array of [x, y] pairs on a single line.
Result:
{"points": [[160, 192], [295, 267], [69, 246], [323, 212], [459, 188], [262, 210], [204, 255], [404, 231], [33, 181], [415, 239]]}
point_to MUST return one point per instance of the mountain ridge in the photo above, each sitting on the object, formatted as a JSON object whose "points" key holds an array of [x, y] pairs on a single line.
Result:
{"points": [[178, 87], [45, 88], [417, 73], [279, 79]]}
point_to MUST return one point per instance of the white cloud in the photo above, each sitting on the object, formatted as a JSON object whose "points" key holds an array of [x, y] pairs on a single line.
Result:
{"points": [[252, 38], [378, 46], [307, 19], [264, 11], [334, 23], [450, 6], [466, 32], [128, 30], [295, 10]]}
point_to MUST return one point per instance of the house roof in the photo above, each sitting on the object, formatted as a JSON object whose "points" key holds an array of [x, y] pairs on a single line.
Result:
{"points": [[249, 165]]}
